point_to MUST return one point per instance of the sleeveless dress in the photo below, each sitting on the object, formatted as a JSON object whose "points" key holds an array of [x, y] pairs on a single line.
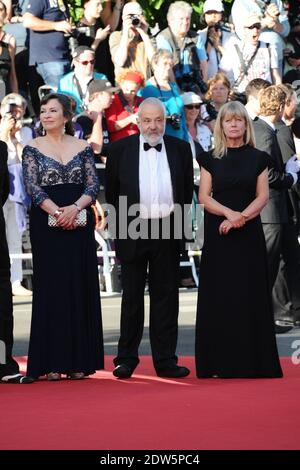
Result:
{"points": [[235, 326], [66, 326]]}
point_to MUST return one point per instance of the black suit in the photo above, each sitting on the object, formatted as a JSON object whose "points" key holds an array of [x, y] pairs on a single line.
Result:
{"points": [[282, 294], [160, 256], [6, 308], [279, 230]]}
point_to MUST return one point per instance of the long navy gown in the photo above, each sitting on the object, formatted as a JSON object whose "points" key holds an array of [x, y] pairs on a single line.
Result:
{"points": [[66, 326], [235, 327]]}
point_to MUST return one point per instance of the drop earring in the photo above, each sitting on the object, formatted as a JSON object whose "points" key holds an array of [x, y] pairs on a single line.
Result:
{"points": [[64, 129], [43, 131]]}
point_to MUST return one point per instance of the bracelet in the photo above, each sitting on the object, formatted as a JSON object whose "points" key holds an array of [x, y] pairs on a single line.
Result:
{"points": [[77, 206]]}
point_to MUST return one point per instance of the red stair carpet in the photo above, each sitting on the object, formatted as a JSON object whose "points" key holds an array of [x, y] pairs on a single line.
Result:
{"points": [[148, 412]]}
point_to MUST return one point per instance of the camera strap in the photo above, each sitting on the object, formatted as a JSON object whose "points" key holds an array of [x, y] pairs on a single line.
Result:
{"points": [[245, 66], [80, 92], [125, 104]]}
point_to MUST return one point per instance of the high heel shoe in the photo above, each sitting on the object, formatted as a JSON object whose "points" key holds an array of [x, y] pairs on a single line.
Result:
{"points": [[76, 375], [52, 376]]}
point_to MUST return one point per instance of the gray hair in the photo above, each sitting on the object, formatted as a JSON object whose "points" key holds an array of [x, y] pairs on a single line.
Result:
{"points": [[178, 6], [161, 54], [154, 102]]}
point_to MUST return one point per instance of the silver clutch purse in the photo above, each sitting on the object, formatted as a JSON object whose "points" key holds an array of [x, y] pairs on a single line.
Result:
{"points": [[80, 220]]}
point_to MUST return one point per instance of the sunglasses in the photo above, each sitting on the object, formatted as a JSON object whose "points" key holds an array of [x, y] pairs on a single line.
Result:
{"points": [[86, 62], [193, 106], [256, 25]]}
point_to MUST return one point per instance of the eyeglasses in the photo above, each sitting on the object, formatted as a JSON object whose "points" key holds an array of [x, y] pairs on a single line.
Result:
{"points": [[256, 25], [86, 62], [193, 106]]}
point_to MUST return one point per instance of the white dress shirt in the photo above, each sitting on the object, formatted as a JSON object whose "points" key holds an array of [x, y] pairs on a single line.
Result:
{"points": [[156, 192]]}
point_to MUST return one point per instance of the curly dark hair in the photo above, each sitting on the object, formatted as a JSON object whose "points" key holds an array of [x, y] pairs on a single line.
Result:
{"points": [[66, 105]]}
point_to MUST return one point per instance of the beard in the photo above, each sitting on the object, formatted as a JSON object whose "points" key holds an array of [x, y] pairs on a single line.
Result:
{"points": [[155, 138]]}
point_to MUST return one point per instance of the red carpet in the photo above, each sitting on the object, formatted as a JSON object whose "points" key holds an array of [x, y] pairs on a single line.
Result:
{"points": [[147, 412]]}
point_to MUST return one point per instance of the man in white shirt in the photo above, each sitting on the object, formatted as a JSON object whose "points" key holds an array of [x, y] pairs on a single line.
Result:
{"points": [[250, 58], [154, 172]]}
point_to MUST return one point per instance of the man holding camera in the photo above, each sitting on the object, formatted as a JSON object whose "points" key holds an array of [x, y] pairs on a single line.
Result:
{"points": [[132, 48], [16, 135], [48, 21], [274, 22], [215, 35], [187, 48], [250, 58]]}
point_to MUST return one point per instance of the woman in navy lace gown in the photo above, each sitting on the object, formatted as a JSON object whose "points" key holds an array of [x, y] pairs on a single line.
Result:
{"points": [[60, 176]]}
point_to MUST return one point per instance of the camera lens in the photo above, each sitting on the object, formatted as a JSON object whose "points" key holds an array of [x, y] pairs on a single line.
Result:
{"points": [[135, 21]]}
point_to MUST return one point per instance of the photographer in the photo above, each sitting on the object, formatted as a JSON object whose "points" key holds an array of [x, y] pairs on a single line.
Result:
{"points": [[75, 84], [48, 22], [186, 47], [16, 136], [274, 22], [163, 87], [215, 35], [251, 58], [132, 48]]}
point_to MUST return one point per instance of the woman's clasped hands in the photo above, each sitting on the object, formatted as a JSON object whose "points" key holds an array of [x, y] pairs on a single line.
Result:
{"points": [[66, 217], [233, 219]]}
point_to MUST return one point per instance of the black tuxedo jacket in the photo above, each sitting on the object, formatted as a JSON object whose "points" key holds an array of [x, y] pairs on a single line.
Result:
{"points": [[4, 177], [288, 149], [278, 209], [122, 179]]}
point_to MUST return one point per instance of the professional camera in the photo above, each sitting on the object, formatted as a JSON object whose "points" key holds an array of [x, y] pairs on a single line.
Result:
{"points": [[73, 37], [220, 26], [211, 111], [192, 82], [292, 55], [10, 108], [135, 21], [263, 5], [174, 121], [16, 8]]}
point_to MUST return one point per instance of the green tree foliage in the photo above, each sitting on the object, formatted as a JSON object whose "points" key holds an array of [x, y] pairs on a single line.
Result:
{"points": [[76, 10]]}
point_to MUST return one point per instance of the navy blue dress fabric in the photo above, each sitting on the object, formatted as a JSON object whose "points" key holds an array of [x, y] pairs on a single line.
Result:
{"points": [[66, 327]]}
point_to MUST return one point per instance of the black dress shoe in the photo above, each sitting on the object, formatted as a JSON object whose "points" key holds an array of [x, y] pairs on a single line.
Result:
{"points": [[281, 329], [122, 371], [174, 372], [17, 379]]}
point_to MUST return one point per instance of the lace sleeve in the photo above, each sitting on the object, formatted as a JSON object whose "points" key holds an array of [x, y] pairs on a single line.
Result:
{"points": [[91, 183], [31, 176]]}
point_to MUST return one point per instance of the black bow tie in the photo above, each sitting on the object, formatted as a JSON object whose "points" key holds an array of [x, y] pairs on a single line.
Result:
{"points": [[156, 147]]}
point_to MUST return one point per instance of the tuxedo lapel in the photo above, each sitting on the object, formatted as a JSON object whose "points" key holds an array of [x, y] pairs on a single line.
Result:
{"points": [[133, 162], [172, 160]]}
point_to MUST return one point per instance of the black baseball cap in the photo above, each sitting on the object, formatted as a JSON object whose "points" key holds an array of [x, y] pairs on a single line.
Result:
{"points": [[97, 86]]}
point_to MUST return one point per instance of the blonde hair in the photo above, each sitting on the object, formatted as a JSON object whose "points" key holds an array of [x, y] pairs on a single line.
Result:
{"points": [[218, 77], [271, 99], [231, 109], [288, 89]]}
